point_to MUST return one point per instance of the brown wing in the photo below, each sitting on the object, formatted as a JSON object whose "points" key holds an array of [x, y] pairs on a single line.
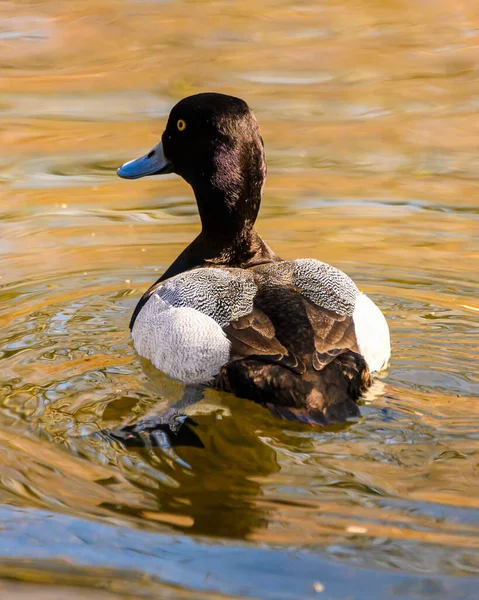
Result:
{"points": [[333, 334], [298, 359], [254, 336]]}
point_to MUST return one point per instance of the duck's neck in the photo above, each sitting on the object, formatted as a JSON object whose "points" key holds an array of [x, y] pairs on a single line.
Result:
{"points": [[247, 253], [209, 250], [227, 214], [228, 237], [244, 250]]}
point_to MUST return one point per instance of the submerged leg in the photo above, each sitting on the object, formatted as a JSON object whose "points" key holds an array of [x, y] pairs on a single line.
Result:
{"points": [[172, 427]]}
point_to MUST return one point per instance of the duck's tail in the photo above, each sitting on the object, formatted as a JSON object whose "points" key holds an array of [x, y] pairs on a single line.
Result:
{"points": [[319, 397]]}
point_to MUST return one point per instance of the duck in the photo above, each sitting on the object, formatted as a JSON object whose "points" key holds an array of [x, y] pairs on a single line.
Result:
{"points": [[296, 336]]}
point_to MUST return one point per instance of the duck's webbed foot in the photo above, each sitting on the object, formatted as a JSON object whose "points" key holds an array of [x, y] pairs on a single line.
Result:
{"points": [[165, 430], [156, 431]]}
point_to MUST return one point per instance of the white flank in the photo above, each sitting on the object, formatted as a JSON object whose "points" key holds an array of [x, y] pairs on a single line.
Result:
{"points": [[372, 333], [182, 342]]}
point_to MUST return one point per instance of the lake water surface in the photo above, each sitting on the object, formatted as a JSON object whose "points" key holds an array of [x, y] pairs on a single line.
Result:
{"points": [[370, 115]]}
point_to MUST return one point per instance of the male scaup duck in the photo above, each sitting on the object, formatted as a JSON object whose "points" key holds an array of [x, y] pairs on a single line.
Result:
{"points": [[296, 336]]}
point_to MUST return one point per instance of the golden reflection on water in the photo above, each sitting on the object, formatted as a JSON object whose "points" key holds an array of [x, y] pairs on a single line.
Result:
{"points": [[369, 115]]}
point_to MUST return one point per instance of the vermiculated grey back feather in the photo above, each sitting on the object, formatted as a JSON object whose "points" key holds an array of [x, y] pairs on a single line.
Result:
{"points": [[227, 294], [319, 282], [222, 294], [326, 286]]}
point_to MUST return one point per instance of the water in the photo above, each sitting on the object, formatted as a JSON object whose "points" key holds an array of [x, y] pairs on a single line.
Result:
{"points": [[369, 111]]}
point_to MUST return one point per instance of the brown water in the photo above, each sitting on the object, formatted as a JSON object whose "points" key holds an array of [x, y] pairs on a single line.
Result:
{"points": [[369, 111]]}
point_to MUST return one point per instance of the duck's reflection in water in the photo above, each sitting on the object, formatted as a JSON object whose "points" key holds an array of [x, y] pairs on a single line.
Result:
{"points": [[208, 490]]}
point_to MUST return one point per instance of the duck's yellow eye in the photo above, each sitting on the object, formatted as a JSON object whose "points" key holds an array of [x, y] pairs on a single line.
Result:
{"points": [[181, 125]]}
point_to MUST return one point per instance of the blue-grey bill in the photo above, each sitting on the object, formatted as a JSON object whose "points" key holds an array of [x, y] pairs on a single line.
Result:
{"points": [[153, 163]]}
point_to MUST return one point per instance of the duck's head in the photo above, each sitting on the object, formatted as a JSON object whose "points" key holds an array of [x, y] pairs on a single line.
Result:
{"points": [[213, 142]]}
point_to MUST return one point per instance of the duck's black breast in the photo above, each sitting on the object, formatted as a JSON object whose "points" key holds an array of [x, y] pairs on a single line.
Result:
{"points": [[285, 336]]}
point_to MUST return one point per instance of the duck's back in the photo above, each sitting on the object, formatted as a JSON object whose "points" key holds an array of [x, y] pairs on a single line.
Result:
{"points": [[292, 335]]}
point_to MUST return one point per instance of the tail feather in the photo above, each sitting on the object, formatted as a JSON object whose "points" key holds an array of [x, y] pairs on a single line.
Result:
{"points": [[318, 397]]}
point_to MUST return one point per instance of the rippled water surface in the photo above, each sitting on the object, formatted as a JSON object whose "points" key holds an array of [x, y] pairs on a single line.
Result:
{"points": [[369, 111]]}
